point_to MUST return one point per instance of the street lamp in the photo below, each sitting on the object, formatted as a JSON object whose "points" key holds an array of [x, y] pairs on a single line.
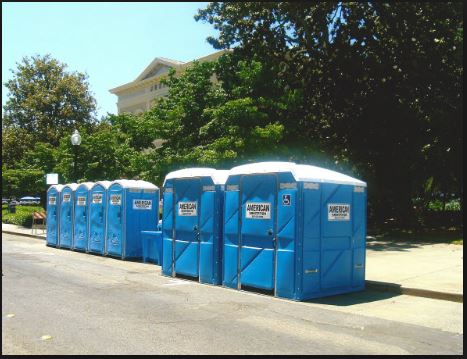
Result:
{"points": [[75, 141]]}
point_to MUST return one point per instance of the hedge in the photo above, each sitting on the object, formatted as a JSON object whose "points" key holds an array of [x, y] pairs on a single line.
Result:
{"points": [[22, 217]]}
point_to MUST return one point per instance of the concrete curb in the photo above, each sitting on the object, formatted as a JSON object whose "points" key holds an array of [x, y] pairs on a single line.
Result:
{"points": [[399, 289], [24, 234]]}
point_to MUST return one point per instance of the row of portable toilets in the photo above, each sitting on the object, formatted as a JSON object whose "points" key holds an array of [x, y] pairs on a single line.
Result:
{"points": [[297, 231]]}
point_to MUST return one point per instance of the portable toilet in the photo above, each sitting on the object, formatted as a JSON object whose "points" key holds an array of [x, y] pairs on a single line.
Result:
{"points": [[66, 215], [53, 214], [97, 217], [132, 207], [81, 217], [296, 230], [192, 218]]}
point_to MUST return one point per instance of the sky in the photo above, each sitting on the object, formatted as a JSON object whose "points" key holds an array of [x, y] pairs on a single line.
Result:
{"points": [[111, 42]]}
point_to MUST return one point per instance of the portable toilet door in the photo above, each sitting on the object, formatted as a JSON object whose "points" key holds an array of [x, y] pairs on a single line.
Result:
{"points": [[132, 207], [66, 215], [250, 225], [193, 200], [53, 214], [97, 217], [81, 217]]}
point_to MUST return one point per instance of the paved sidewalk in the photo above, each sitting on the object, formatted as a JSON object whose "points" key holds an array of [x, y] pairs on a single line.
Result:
{"points": [[420, 269], [14, 229], [424, 269]]}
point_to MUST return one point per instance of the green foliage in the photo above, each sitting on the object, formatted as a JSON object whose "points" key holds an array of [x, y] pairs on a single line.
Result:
{"points": [[373, 89], [22, 217], [19, 182], [46, 100], [438, 205], [105, 153]]}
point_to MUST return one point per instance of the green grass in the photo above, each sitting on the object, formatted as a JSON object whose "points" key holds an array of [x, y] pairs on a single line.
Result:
{"points": [[22, 217]]}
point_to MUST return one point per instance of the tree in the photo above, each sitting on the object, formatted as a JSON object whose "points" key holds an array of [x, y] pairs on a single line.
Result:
{"points": [[47, 101], [377, 85], [104, 154], [15, 142], [202, 124]]}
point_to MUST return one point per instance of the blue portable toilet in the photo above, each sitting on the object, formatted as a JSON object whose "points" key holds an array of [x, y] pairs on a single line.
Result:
{"points": [[53, 214], [297, 230], [192, 218], [66, 215], [81, 217], [97, 217], [133, 207]]}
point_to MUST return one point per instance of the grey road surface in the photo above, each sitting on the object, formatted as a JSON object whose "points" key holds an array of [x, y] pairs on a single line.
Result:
{"points": [[61, 302]]}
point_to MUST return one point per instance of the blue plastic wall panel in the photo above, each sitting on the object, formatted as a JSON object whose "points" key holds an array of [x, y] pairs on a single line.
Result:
{"points": [[115, 220], [336, 241], [309, 271], [231, 236], [210, 270], [258, 231], [66, 218], [141, 213], [287, 209], [167, 229], [53, 210], [359, 236], [81, 219], [152, 246], [187, 224], [97, 219]]}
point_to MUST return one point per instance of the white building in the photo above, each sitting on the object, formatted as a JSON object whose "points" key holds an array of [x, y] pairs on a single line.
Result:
{"points": [[139, 95]]}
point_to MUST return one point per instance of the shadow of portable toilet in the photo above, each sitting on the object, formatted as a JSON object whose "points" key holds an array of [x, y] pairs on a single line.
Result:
{"points": [[97, 217], [295, 230], [67, 197], [192, 217], [133, 207], [53, 214], [81, 217]]}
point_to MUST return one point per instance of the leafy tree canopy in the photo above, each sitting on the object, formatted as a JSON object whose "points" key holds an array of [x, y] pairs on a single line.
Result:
{"points": [[46, 100]]}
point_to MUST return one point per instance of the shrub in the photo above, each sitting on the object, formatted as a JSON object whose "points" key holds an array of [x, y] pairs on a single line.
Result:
{"points": [[22, 217]]}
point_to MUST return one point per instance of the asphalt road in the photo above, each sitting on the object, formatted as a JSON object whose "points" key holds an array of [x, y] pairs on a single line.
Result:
{"points": [[61, 302]]}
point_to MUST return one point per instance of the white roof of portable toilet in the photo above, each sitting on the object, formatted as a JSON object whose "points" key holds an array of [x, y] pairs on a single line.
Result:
{"points": [[318, 174], [125, 183], [88, 185], [218, 176], [146, 184], [73, 186], [300, 172], [105, 184], [58, 187]]}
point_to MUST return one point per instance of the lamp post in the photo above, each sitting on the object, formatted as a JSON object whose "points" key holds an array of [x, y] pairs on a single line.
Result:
{"points": [[75, 141]]}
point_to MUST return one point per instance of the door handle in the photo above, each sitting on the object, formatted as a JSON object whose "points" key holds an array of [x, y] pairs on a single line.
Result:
{"points": [[270, 232], [309, 271]]}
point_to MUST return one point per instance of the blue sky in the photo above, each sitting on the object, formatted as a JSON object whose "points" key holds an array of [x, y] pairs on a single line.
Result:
{"points": [[111, 42]]}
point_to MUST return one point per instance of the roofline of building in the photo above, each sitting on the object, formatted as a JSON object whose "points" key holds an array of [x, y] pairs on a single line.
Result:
{"points": [[179, 68]]}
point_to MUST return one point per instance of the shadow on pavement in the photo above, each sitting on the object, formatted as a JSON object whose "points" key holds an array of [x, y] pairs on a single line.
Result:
{"points": [[343, 300], [393, 246]]}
